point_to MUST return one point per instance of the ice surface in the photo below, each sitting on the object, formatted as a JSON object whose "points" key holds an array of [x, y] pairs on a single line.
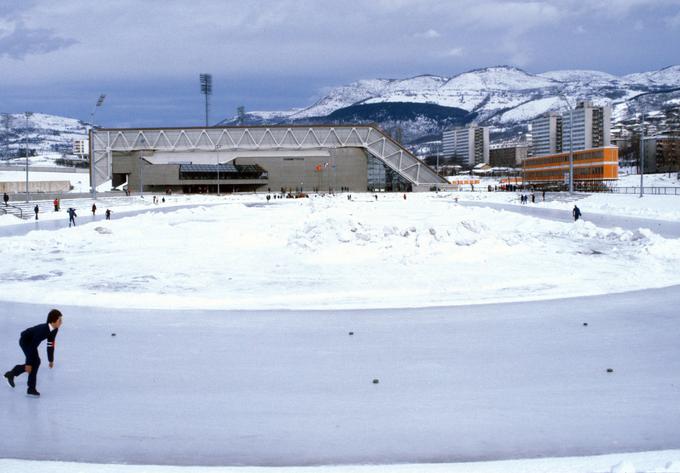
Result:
{"points": [[457, 384], [291, 387]]}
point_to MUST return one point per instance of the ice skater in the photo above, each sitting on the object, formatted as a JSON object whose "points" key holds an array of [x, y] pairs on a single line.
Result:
{"points": [[71, 216], [576, 213], [5, 198], [36, 209], [29, 341]]}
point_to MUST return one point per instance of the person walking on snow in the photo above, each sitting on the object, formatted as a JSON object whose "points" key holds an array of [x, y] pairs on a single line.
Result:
{"points": [[108, 214], [36, 209], [71, 216], [576, 213], [94, 209], [29, 341], [5, 198], [56, 205]]}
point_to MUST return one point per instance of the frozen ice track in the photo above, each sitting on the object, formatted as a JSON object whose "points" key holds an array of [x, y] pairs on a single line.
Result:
{"points": [[293, 388], [665, 228]]}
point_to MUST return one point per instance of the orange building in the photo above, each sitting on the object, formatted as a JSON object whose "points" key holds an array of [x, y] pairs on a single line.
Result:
{"points": [[594, 165]]}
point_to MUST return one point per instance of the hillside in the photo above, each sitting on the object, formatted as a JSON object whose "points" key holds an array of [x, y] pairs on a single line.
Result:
{"points": [[503, 97]]}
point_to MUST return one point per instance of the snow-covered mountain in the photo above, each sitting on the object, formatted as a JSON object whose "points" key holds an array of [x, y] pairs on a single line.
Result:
{"points": [[40, 133], [501, 96]]}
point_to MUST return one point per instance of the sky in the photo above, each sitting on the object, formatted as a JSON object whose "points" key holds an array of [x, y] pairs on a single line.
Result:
{"points": [[146, 56]]}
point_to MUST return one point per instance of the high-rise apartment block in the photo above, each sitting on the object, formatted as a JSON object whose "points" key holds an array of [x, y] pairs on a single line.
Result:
{"points": [[546, 134], [467, 146], [591, 129]]}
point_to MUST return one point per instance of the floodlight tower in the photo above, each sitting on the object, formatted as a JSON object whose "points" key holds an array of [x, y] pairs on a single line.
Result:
{"points": [[206, 89], [93, 184], [100, 102]]}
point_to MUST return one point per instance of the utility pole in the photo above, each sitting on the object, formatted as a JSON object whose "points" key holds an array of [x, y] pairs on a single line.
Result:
{"points": [[642, 153], [217, 150], [27, 115], [206, 89], [571, 143]]}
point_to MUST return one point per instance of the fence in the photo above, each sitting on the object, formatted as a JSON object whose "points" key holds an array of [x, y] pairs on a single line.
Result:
{"points": [[646, 190]]}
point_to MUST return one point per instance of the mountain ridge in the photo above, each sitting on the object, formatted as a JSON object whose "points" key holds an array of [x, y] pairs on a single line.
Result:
{"points": [[500, 96]]}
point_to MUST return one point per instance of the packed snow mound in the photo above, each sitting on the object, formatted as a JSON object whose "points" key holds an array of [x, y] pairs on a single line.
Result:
{"points": [[308, 252], [623, 467]]}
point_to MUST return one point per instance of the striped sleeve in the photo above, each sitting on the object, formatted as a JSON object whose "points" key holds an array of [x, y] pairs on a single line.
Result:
{"points": [[51, 344]]}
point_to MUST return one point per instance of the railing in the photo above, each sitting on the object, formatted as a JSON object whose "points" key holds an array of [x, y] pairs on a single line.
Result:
{"points": [[5, 208], [646, 190]]}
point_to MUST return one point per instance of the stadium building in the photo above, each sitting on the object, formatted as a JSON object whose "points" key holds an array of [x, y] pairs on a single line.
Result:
{"points": [[260, 158]]}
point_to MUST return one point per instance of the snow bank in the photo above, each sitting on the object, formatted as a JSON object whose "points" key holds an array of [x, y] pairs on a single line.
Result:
{"points": [[328, 252], [647, 462]]}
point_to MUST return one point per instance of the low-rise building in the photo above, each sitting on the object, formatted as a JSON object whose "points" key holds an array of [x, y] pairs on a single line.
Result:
{"points": [[508, 154]]}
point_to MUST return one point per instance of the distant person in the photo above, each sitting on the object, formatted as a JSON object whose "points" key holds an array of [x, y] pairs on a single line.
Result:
{"points": [[71, 216], [5, 198], [576, 213], [533, 198], [108, 214], [29, 341], [543, 196], [94, 209], [36, 209], [163, 199], [56, 204]]}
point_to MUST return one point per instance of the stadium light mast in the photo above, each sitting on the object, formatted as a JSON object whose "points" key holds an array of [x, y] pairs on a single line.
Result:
{"points": [[100, 102], [206, 89], [93, 184]]}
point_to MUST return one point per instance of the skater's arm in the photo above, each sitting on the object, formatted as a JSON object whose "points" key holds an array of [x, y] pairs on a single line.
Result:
{"points": [[51, 342]]}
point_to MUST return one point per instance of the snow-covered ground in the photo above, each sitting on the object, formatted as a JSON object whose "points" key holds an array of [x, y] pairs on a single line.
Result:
{"points": [[242, 252], [329, 252], [643, 462]]}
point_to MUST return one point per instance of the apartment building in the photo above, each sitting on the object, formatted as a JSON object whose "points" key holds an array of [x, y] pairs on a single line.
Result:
{"points": [[466, 146]]}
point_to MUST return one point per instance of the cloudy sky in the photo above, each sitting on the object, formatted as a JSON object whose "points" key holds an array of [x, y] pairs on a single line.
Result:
{"points": [[146, 55]]}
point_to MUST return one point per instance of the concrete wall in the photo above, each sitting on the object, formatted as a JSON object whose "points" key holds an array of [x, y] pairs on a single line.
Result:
{"points": [[347, 167], [35, 187], [344, 167]]}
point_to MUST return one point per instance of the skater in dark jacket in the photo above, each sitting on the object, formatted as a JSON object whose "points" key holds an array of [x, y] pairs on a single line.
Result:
{"points": [[71, 216], [29, 341], [576, 213]]}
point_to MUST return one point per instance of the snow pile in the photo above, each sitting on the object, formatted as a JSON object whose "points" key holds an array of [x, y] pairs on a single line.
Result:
{"points": [[328, 252]]}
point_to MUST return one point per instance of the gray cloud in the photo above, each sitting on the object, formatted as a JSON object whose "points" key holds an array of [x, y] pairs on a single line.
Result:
{"points": [[23, 41], [271, 54]]}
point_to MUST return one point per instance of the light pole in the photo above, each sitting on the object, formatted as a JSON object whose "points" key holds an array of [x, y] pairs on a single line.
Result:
{"points": [[93, 183], [27, 115], [206, 89], [642, 153], [141, 176], [571, 143], [217, 150], [100, 102]]}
